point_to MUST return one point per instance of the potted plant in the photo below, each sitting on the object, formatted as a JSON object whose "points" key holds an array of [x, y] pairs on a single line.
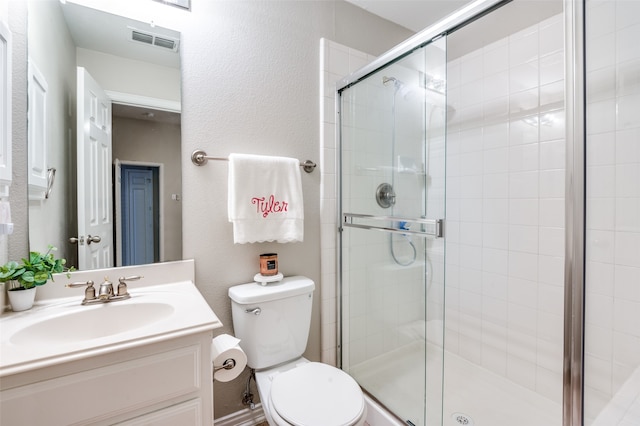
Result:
{"points": [[25, 276]]}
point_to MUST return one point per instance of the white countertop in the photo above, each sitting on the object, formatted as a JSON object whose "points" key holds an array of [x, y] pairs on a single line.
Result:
{"points": [[184, 311]]}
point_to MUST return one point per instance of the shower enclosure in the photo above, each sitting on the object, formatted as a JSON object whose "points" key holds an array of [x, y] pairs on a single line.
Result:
{"points": [[464, 265]]}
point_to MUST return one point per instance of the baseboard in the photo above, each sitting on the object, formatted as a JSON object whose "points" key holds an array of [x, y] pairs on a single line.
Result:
{"points": [[246, 417]]}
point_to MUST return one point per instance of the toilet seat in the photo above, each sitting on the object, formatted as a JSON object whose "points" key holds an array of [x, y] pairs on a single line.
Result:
{"points": [[316, 394]]}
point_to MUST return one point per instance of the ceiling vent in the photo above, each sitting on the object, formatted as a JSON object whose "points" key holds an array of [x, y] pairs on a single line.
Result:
{"points": [[162, 41]]}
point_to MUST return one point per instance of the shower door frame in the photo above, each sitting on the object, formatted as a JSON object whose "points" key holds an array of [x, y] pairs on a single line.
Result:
{"points": [[573, 357], [575, 210]]}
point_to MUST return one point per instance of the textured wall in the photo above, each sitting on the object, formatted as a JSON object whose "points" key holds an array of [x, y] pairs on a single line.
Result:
{"points": [[19, 240]]}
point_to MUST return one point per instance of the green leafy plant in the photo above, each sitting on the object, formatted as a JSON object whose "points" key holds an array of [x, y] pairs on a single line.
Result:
{"points": [[34, 271]]}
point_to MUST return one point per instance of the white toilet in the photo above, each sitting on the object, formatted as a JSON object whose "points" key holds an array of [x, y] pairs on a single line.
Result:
{"points": [[273, 322]]}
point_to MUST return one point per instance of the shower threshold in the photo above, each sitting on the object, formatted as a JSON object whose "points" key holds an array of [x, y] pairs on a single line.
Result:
{"points": [[396, 379]]}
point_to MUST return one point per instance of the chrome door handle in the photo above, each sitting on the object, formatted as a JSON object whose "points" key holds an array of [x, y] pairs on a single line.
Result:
{"points": [[75, 240], [94, 239], [254, 311]]}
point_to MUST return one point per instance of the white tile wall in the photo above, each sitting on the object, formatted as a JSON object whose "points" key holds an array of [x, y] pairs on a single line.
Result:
{"points": [[505, 207], [613, 214]]}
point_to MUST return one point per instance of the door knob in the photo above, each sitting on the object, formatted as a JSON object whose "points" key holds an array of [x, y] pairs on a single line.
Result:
{"points": [[94, 239], [74, 240]]}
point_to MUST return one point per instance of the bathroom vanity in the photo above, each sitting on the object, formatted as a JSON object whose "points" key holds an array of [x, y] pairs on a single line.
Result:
{"points": [[143, 360]]}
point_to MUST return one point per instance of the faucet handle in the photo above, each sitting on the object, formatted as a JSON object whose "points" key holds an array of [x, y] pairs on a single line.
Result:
{"points": [[122, 284], [90, 291], [131, 278], [80, 284]]}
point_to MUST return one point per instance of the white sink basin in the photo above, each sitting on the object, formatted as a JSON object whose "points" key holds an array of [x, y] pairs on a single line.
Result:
{"points": [[61, 330], [92, 323]]}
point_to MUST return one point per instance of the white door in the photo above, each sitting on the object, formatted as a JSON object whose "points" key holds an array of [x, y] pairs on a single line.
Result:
{"points": [[95, 217]]}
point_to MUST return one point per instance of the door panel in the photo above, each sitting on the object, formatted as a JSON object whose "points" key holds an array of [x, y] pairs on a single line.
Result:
{"points": [[95, 219], [138, 230]]}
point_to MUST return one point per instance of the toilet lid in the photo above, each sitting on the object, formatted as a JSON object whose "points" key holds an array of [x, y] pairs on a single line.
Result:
{"points": [[317, 394]]}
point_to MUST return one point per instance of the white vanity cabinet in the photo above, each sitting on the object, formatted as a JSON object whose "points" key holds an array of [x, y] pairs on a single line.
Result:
{"points": [[142, 360], [164, 383]]}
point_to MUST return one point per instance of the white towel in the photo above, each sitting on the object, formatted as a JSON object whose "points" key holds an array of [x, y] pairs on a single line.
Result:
{"points": [[265, 199]]}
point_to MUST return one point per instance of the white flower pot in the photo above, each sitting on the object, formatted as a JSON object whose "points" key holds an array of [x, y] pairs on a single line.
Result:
{"points": [[21, 300]]}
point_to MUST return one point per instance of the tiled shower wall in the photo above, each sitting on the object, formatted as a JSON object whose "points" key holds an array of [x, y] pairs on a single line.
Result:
{"points": [[612, 340], [505, 207]]}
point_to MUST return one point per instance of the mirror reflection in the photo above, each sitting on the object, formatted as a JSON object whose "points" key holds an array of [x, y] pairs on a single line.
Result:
{"points": [[107, 91]]}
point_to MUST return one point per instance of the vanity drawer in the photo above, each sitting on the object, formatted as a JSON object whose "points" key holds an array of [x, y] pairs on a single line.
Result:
{"points": [[105, 392], [185, 414]]}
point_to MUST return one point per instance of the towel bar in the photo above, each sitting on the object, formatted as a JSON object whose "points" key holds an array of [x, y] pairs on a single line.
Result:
{"points": [[200, 158]]}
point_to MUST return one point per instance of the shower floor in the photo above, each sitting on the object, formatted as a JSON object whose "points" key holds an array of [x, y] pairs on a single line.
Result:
{"points": [[487, 398]]}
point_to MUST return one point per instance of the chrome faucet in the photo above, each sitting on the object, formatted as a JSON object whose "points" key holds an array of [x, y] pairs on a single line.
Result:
{"points": [[106, 292]]}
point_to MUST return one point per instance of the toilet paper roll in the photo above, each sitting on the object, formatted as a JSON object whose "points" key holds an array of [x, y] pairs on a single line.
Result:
{"points": [[226, 347]]}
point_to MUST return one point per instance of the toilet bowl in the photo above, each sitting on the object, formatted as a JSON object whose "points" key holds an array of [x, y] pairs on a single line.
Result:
{"points": [[303, 393], [273, 323]]}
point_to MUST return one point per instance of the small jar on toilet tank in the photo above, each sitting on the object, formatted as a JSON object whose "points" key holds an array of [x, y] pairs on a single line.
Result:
{"points": [[269, 264]]}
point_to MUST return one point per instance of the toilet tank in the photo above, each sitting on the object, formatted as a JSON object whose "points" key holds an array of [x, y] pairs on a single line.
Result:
{"points": [[272, 321]]}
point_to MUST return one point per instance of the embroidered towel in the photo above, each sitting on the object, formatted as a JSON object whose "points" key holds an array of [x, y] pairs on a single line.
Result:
{"points": [[265, 199]]}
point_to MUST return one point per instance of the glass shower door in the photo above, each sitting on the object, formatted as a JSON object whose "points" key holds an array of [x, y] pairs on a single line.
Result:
{"points": [[612, 254], [392, 253]]}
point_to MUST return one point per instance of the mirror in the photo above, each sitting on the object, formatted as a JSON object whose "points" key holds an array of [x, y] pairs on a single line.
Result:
{"points": [[137, 64]]}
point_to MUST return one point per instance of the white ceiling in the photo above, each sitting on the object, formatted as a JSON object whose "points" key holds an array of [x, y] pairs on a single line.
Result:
{"points": [[97, 30], [415, 15]]}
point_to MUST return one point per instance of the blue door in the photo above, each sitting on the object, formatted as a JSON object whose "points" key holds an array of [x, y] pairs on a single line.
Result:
{"points": [[140, 230]]}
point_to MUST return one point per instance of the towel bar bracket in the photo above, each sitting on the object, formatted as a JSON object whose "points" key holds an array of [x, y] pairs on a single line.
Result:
{"points": [[308, 166], [200, 158]]}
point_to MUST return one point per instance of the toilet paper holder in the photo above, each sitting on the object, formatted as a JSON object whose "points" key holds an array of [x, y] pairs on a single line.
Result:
{"points": [[228, 364]]}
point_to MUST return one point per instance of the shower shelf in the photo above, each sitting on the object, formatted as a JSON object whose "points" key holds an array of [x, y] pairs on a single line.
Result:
{"points": [[427, 227]]}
